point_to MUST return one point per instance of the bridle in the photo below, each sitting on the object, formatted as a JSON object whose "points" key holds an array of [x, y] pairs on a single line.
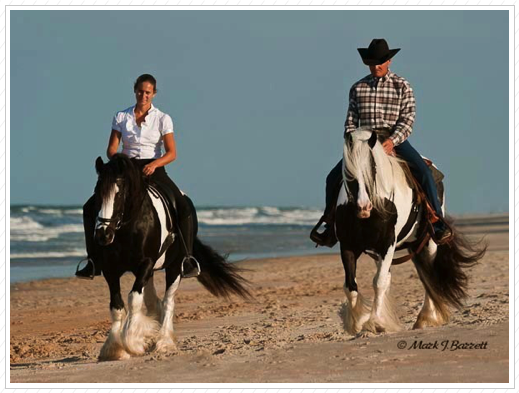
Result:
{"points": [[116, 221]]}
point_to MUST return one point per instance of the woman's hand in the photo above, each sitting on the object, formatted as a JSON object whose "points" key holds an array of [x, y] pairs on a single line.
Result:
{"points": [[150, 168]]}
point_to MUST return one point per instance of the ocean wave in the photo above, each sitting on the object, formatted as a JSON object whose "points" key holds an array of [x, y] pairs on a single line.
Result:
{"points": [[58, 220], [258, 215], [27, 229], [50, 254], [47, 210]]}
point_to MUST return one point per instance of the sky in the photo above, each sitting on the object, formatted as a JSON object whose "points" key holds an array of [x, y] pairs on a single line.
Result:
{"points": [[258, 98]]}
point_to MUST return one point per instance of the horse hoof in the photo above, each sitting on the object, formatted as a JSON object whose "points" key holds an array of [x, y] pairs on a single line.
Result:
{"points": [[365, 334], [166, 345], [422, 323], [113, 354]]}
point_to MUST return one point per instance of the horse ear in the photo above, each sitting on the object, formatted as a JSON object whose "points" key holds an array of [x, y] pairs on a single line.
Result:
{"points": [[372, 140], [99, 164]]}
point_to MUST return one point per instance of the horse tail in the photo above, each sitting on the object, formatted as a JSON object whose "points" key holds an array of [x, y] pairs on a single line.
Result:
{"points": [[218, 276], [443, 275]]}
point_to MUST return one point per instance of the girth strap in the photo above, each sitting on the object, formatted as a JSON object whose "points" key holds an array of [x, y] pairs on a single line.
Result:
{"points": [[425, 238], [416, 209], [413, 215]]}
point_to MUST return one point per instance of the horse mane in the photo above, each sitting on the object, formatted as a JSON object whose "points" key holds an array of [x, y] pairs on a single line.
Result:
{"points": [[358, 162], [120, 166]]}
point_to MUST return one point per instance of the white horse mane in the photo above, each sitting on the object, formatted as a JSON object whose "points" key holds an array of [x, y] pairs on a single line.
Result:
{"points": [[357, 163]]}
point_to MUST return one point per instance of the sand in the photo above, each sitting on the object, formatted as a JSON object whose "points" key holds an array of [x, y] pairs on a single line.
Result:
{"points": [[290, 333]]}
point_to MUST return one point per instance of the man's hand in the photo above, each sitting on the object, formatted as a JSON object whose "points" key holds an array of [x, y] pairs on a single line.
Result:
{"points": [[389, 147]]}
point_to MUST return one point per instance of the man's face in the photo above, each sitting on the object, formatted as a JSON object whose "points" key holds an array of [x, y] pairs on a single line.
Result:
{"points": [[380, 70]]}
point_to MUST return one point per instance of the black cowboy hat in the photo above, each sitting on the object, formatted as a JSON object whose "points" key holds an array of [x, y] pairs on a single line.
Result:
{"points": [[377, 53]]}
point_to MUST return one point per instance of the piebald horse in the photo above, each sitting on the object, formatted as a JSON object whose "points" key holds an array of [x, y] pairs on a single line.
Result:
{"points": [[130, 229], [373, 207]]}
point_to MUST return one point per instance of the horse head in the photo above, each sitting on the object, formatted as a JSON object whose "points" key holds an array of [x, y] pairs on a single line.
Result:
{"points": [[366, 175], [114, 184]]}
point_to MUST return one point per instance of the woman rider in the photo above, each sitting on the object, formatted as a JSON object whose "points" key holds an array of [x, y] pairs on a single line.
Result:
{"points": [[143, 129]]}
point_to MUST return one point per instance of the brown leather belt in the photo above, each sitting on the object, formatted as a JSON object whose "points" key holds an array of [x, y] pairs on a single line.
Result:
{"points": [[383, 133]]}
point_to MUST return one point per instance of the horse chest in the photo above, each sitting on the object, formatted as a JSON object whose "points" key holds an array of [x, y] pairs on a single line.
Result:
{"points": [[375, 233]]}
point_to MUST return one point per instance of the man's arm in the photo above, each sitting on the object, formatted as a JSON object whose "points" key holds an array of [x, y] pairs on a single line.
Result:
{"points": [[352, 117], [404, 124]]}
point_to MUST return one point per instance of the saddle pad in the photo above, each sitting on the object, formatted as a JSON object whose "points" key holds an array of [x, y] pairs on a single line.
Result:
{"points": [[437, 175]]}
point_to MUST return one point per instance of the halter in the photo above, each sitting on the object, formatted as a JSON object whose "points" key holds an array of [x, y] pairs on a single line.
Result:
{"points": [[118, 219]]}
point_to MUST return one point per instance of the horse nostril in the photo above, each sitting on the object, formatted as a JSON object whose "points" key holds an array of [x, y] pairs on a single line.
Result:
{"points": [[98, 236], [369, 206], [110, 237], [104, 236]]}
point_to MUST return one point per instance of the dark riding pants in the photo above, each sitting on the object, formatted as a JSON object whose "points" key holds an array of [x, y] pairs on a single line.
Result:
{"points": [[417, 166]]}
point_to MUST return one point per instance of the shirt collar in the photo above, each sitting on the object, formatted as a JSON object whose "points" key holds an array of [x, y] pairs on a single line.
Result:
{"points": [[387, 76], [152, 109], [383, 79]]}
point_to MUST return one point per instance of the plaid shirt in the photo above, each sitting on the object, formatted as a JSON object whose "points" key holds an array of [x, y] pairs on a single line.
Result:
{"points": [[382, 103]]}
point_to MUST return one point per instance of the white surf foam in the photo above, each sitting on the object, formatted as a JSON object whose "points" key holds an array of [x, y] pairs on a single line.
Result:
{"points": [[26, 229]]}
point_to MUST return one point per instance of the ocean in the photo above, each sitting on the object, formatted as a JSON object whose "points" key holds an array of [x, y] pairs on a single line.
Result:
{"points": [[48, 241]]}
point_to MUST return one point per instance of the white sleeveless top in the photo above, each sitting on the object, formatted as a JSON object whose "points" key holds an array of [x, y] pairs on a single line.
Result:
{"points": [[142, 142]]}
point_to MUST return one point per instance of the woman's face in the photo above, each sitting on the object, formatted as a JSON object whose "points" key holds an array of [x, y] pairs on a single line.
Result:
{"points": [[144, 94]]}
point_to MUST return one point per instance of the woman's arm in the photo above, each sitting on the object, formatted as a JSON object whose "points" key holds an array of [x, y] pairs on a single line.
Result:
{"points": [[169, 156], [113, 143]]}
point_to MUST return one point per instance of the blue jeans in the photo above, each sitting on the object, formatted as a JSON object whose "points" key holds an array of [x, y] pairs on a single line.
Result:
{"points": [[418, 167]]}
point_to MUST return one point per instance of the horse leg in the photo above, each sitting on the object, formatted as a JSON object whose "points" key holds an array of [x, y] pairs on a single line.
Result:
{"points": [[165, 342], [152, 301], [434, 311], [383, 316], [356, 309], [138, 328], [113, 348]]}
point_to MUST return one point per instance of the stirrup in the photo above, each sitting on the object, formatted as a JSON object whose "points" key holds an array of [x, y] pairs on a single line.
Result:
{"points": [[315, 229], [194, 273], [89, 262], [319, 238], [447, 239]]}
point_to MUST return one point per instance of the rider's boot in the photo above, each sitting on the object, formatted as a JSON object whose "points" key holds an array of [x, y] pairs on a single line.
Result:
{"points": [[90, 270], [442, 232], [326, 238], [190, 266]]}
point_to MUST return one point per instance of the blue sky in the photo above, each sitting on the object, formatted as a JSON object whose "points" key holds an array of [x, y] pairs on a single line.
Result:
{"points": [[258, 98]]}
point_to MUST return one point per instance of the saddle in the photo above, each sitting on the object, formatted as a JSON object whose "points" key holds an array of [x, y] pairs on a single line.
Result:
{"points": [[166, 196], [419, 194]]}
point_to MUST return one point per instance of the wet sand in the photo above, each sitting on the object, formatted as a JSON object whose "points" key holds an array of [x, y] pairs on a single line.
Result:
{"points": [[290, 333]]}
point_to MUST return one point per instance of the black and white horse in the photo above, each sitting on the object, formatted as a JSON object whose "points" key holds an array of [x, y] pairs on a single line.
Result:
{"points": [[129, 233], [373, 208]]}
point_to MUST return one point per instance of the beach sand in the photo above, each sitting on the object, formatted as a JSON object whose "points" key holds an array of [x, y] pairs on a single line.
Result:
{"points": [[290, 333]]}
